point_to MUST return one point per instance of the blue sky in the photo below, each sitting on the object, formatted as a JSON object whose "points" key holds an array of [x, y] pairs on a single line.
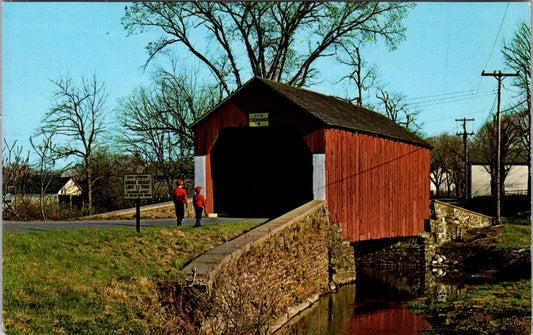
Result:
{"points": [[447, 47]]}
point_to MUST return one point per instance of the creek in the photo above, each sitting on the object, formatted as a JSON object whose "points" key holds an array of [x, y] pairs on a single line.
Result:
{"points": [[376, 304]]}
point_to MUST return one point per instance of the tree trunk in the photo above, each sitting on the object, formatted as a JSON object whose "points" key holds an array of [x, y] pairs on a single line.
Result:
{"points": [[89, 186]]}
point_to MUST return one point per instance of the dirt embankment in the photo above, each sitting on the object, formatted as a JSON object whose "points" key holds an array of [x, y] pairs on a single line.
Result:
{"points": [[478, 258]]}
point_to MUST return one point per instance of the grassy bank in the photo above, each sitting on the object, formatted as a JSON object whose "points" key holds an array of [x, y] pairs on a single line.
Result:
{"points": [[97, 281], [496, 262]]}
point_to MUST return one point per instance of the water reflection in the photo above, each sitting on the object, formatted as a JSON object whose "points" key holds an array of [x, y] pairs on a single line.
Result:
{"points": [[376, 304]]}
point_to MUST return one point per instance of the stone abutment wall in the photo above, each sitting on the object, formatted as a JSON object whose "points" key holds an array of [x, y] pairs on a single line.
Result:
{"points": [[447, 223]]}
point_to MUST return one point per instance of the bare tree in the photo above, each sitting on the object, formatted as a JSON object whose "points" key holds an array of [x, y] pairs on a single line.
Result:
{"points": [[77, 118], [110, 166], [517, 56], [46, 153], [280, 41], [156, 121], [438, 168], [361, 75], [15, 169], [522, 126], [393, 106]]}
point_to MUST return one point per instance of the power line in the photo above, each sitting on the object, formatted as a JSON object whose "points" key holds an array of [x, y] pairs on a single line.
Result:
{"points": [[444, 101], [481, 111], [513, 107], [492, 50], [497, 35], [456, 97], [447, 94]]}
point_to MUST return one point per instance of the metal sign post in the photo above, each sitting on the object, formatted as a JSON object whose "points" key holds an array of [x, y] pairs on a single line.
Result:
{"points": [[137, 187], [138, 215]]}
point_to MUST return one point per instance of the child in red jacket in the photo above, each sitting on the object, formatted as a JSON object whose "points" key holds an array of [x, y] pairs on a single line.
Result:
{"points": [[199, 205], [179, 196]]}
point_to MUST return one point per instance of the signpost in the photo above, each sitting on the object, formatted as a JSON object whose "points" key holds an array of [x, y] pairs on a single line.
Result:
{"points": [[137, 187]]}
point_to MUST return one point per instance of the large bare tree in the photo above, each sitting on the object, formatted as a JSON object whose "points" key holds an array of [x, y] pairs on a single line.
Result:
{"points": [[77, 120], [156, 120], [281, 41]]}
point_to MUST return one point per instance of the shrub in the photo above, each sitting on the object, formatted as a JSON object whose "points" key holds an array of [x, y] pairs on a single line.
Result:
{"points": [[26, 209]]}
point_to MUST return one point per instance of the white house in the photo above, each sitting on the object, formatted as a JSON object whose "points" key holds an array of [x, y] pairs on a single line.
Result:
{"points": [[515, 182]]}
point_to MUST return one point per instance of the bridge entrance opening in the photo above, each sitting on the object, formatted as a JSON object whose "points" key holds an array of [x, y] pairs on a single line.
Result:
{"points": [[260, 171]]}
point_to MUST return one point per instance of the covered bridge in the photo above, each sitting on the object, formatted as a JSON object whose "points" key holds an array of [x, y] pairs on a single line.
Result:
{"points": [[270, 147]]}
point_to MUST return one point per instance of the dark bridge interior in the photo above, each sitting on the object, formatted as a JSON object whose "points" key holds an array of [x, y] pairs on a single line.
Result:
{"points": [[260, 171]]}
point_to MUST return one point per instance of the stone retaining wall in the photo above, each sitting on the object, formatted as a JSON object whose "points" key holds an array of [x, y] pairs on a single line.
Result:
{"points": [[341, 258], [449, 222], [284, 266]]}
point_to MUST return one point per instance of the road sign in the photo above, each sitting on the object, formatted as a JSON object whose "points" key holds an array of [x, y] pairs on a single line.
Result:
{"points": [[138, 186]]}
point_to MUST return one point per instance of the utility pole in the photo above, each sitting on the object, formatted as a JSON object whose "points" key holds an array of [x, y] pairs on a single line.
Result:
{"points": [[500, 77], [465, 135]]}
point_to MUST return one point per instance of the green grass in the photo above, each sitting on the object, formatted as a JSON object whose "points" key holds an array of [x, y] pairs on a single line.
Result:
{"points": [[521, 218], [515, 236], [499, 308], [98, 281], [510, 294]]}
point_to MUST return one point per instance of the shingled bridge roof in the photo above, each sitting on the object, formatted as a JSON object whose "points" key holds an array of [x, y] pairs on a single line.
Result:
{"points": [[334, 112]]}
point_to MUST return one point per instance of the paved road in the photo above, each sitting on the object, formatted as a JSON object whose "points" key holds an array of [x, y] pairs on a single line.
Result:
{"points": [[17, 226]]}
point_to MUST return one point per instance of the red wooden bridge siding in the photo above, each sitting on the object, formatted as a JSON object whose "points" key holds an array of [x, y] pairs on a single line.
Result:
{"points": [[376, 188]]}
